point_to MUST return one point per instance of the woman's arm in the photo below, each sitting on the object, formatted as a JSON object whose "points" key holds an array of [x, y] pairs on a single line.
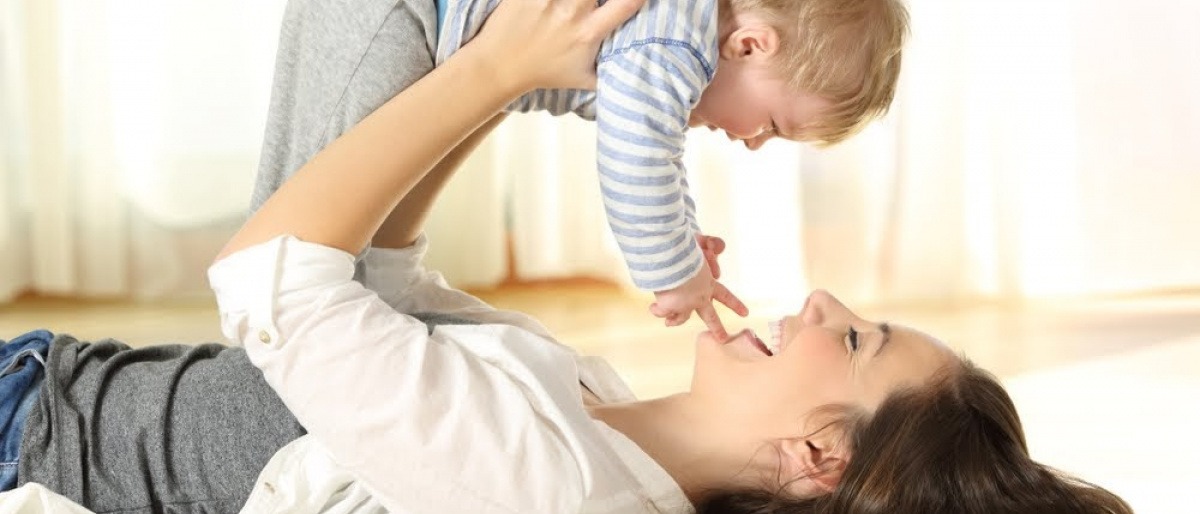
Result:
{"points": [[388, 153], [407, 220], [543, 43], [393, 268]]}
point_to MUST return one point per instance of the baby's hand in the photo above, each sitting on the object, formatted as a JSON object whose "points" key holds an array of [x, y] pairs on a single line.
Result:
{"points": [[697, 294], [712, 247]]}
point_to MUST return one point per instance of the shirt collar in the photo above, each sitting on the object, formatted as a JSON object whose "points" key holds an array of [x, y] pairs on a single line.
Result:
{"points": [[658, 486]]}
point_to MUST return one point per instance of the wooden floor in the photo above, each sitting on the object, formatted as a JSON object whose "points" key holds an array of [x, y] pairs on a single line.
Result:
{"points": [[1109, 390]]}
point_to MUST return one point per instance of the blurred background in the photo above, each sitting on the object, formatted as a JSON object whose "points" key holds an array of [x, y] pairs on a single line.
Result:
{"points": [[1031, 198]]}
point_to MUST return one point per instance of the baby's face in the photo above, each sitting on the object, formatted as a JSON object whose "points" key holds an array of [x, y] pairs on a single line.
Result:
{"points": [[752, 105]]}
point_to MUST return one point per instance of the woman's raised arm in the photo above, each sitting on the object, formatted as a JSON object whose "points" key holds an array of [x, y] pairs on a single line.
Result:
{"points": [[340, 198]]}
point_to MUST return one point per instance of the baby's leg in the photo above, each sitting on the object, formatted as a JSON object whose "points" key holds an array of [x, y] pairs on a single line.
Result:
{"points": [[338, 62]]}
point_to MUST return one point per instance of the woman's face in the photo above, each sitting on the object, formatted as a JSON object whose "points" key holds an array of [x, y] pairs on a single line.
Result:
{"points": [[823, 355]]}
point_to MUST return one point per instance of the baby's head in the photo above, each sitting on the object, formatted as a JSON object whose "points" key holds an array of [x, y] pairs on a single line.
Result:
{"points": [[804, 70]]}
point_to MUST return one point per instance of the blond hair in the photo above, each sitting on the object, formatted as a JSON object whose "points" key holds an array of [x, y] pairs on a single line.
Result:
{"points": [[845, 51]]}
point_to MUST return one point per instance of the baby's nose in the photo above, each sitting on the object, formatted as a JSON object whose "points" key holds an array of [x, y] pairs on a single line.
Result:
{"points": [[757, 142]]}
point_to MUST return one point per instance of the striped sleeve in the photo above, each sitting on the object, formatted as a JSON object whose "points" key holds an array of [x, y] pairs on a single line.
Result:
{"points": [[643, 96], [689, 204]]}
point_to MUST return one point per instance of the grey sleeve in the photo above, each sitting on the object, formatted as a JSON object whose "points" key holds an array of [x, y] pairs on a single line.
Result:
{"points": [[338, 61]]}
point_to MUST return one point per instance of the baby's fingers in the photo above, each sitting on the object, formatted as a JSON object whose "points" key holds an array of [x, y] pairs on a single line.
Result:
{"points": [[672, 318], [715, 245], [723, 295], [709, 315], [659, 311], [713, 265]]}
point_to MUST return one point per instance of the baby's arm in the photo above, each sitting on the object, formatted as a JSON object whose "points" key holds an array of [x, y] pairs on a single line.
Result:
{"points": [[644, 95]]}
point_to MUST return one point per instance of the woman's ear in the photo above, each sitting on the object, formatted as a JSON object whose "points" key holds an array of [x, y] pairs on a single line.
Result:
{"points": [[750, 39], [814, 464]]}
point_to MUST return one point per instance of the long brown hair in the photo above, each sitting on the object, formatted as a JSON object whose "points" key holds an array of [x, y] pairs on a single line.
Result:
{"points": [[954, 446]]}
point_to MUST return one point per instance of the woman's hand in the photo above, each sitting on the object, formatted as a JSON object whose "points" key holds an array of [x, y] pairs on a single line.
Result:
{"points": [[548, 43]]}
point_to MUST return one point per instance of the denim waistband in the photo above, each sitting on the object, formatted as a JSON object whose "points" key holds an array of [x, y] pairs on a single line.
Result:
{"points": [[22, 371]]}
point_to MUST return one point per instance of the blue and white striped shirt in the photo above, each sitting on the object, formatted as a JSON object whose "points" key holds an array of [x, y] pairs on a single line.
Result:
{"points": [[650, 73]]}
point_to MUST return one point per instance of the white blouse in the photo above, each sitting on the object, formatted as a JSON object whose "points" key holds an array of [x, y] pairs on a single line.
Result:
{"points": [[474, 418]]}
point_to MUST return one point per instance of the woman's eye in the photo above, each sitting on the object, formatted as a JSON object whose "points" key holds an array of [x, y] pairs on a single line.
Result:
{"points": [[852, 339]]}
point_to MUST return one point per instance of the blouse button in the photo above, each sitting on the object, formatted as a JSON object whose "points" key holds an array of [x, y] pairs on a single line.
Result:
{"points": [[264, 336]]}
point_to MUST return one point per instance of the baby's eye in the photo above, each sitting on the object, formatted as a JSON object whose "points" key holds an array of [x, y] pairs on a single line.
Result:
{"points": [[852, 339]]}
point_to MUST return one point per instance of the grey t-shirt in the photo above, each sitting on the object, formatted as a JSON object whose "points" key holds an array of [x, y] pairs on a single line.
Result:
{"points": [[176, 428]]}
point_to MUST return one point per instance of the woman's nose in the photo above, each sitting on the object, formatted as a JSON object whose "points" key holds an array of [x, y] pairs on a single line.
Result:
{"points": [[821, 307], [811, 313]]}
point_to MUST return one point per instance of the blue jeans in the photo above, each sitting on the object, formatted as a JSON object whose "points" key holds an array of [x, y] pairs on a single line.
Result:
{"points": [[22, 371]]}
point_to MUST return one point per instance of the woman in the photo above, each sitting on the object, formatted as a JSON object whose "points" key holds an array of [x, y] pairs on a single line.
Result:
{"points": [[419, 398]]}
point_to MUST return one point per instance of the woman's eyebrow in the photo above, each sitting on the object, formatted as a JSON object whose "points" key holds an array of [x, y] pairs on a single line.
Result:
{"points": [[887, 337]]}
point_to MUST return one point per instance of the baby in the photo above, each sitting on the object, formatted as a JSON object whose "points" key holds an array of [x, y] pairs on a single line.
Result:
{"points": [[803, 70]]}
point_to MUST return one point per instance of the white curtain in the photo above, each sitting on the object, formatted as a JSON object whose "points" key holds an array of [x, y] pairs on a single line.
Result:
{"points": [[1036, 149], [130, 132]]}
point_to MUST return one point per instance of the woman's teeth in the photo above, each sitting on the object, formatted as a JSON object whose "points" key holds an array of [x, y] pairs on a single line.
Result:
{"points": [[776, 328]]}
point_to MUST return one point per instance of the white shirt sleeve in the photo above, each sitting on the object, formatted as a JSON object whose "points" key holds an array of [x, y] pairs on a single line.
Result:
{"points": [[417, 418], [32, 498], [401, 280]]}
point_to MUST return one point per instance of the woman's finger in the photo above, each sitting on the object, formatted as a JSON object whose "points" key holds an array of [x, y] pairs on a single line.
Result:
{"points": [[549, 43], [611, 15]]}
